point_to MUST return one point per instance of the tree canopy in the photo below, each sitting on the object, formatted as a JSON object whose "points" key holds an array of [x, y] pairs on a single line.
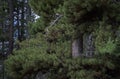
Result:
{"points": [[63, 50]]}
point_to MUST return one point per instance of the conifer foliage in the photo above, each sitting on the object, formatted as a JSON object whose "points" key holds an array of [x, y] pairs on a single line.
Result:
{"points": [[63, 50]]}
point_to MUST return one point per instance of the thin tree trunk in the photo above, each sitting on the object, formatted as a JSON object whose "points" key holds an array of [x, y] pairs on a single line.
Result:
{"points": [[22, 22], [18, 25], [3, 39], [2, 47], [28, 19], [10, 2]]}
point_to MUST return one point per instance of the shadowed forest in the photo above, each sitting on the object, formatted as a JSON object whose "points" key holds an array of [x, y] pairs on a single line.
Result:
{"points": [[59, 39]]}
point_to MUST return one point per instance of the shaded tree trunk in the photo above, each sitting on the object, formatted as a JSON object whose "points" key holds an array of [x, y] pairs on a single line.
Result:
{"points": [[83, 46], [18, 25], [3, 48], [10, 3], [22, 21], [77, 46], [28, 12], [89, 47], [2, 39]]}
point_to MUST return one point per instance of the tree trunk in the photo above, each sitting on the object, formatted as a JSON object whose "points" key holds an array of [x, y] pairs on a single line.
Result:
{"points": [[10, 2], [3, 38], [18, 24], [77, 46], [28, 19], [89, 47], [3, 52], [22, 21]]}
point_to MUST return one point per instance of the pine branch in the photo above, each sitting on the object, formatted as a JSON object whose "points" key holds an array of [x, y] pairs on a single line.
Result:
{"points": [[54, 22]]}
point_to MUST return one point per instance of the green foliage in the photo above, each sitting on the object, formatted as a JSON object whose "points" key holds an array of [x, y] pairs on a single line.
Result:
{"points": [[34, 56], [3, 13], [3, 10], [105, 43], [58, 63], [38, 26], [50, 49], [45, 8]]}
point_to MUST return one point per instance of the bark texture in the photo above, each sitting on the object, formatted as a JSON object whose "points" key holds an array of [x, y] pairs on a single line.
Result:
{"points": [[89, 47], [77, 46]]}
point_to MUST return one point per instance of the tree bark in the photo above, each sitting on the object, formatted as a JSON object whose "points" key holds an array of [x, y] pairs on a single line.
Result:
{"points": [[77, 46], [10, 3], [89, 45], [18, 25], [22, 21]]}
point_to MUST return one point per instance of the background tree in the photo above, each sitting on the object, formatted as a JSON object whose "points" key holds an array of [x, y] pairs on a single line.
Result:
{"points": [[10, 18], [22, 14], [3, 35]]}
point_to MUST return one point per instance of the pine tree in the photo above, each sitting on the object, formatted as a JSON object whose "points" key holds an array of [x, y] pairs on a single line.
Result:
{"points": [[58, 50], [3, 14], [22, 14]]}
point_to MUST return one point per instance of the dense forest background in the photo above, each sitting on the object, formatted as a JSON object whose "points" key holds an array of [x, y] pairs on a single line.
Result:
{"points": [[71, 39]]}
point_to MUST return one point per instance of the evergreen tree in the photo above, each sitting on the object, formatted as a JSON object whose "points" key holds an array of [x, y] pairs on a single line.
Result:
{"points": [[58, 51], [3, 33], [22, 14]]}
